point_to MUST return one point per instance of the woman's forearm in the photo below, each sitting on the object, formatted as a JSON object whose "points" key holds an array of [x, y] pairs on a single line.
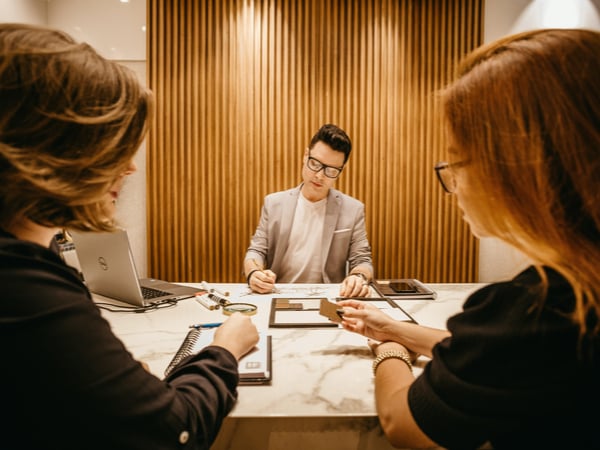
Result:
{"points": [[417, 338]]}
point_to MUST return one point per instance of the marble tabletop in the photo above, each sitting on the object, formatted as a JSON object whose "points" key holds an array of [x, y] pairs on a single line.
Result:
{"points": [[320, 375]]}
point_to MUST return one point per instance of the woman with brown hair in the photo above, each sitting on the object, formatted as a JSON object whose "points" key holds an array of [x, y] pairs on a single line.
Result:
{"points": [[70, 125], [519, 366]]}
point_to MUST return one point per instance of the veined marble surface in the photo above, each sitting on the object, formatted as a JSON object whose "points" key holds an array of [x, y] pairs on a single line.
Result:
{"points": [[322, 389]]}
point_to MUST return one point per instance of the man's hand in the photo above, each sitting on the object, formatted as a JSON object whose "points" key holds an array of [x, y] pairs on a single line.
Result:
{"points": [[262, 281], [355, 286]]}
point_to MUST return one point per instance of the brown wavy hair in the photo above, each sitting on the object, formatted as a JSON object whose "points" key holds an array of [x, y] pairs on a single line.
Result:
{"points": [[70, 123], [525, 113]]}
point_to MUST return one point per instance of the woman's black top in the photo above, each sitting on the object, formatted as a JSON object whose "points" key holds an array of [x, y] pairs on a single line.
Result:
{"points": [[513, 374], [69, 383]]}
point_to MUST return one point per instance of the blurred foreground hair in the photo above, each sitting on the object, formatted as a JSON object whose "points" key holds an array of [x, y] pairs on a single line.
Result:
{"points": [[525, 114], [70, 123]]}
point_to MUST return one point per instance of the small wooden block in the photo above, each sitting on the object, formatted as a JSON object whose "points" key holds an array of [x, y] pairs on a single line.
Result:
{"points": [[284, 303], [330, 310]]}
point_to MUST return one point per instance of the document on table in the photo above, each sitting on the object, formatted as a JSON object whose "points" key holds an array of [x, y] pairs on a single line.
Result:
{"points": [[306, 312], [298, 313], [254, 367]]}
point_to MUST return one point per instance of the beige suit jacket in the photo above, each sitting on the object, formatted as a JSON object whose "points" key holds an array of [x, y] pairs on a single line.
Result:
{"points": [[345, 244]]}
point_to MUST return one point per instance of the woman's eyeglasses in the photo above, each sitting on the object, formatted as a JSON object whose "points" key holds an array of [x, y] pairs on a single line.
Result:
{"points": [[330, 171], [446, 176]]}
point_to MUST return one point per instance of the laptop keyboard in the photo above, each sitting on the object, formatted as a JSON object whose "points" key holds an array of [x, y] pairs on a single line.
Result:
{"points": [[149, 293]]}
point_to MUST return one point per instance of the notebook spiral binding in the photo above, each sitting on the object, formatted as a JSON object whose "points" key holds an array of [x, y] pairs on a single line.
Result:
{"points": [[185, 350]]}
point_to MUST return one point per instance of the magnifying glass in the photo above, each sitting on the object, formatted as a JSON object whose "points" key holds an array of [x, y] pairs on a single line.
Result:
{"points": [[247, 309], [229, 308]]}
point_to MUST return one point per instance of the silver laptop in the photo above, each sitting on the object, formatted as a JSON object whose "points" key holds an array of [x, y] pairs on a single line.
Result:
{"points": [[108, 269]]}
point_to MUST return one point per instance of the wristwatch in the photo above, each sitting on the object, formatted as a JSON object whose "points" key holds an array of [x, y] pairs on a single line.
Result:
{"points": [[362, 275], [395, 354]]}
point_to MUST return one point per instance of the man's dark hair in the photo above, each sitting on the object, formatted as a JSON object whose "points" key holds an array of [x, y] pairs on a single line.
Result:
{"points": [[335, 137]]}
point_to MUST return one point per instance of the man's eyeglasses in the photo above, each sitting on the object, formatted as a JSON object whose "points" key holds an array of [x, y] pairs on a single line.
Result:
{"points": [[330, 171], [445, 174]]}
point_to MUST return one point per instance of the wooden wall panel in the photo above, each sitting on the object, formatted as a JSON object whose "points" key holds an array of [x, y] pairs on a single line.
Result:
{"points": [[242, 85]]}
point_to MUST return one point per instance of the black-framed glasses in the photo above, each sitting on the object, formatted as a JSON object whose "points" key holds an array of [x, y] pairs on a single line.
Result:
{"points": [[330, 171], [445, 174]]}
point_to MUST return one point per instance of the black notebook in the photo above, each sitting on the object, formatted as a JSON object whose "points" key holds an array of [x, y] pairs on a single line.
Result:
{"points": [[254, 367]]}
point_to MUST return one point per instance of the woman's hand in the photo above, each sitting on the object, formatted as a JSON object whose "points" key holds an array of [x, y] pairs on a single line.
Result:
{"points": [[364, 318], [238, 334]]}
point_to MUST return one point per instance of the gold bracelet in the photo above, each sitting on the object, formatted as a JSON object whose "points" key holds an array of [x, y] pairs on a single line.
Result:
{"points": [[397, 354]]}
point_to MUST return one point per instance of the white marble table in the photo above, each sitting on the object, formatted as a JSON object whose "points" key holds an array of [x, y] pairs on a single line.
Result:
{"points": [[321, 396]]}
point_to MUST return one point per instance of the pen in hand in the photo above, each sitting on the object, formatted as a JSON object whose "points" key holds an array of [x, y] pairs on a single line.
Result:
{"points": [[270, 276], [256, 265]]}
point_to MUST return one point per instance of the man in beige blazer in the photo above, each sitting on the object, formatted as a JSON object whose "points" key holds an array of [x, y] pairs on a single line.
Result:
{"points": [[313, 233]]}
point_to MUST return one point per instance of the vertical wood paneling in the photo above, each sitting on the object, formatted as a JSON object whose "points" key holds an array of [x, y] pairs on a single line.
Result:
{"points": [[241, 86]]}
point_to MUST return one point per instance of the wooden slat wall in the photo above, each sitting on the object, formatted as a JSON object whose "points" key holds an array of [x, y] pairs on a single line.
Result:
{"points": [[242, 85]]}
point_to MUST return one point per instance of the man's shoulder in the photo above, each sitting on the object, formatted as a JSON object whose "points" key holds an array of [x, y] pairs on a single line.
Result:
{"points": [[282, 195], [345, 198]]}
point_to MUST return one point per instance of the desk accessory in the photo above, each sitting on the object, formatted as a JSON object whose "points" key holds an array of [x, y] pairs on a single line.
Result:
{"points": [[254, 367], [207, 287], [322, 312], [229, 307], [206, 325], [403, 289], [215, 300], [330, 310], [298, 313], [206, 301], [386, 304], [248, 309]]}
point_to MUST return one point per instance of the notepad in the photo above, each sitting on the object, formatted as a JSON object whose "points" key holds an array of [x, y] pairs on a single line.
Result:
{"points": [[254, 367]]}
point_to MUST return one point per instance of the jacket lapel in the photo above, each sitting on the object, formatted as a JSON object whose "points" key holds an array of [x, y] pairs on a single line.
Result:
{"points": [[288, 210], [334, 204]]}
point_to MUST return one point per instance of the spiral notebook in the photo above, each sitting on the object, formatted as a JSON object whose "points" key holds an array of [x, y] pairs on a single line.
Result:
{"points": [[254, 367]]}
